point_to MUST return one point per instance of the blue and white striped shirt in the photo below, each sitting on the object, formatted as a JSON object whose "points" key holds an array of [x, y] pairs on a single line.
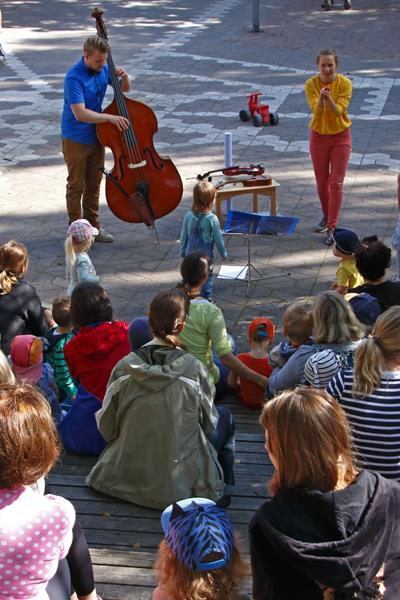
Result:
{"points": [[375, 421]]}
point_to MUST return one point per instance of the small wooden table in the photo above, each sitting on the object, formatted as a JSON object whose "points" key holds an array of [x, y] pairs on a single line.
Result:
{"points": [[238, 189]]}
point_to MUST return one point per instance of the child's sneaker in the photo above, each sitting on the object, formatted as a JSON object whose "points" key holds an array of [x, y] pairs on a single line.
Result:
{"points": [[329, 237]]}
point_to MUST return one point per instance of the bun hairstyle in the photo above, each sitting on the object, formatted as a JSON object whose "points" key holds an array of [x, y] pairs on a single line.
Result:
{"points": [[373, 353], [328, 52], [320, 455], [194, 269], [167, 311], [13, 264]]}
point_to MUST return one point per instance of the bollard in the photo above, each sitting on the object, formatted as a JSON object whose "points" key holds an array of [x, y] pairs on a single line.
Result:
{"points": [[228, 159], [256, 16]]}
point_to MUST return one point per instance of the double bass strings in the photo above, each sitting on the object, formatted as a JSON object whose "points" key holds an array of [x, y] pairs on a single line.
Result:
{"points": [[129, 134]]}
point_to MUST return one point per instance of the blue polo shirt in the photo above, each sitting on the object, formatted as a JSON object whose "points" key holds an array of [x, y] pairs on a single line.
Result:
{"points": [[83, 86]]}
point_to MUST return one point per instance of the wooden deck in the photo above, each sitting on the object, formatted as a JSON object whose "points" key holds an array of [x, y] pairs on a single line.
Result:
{"points": [[123, 538]]}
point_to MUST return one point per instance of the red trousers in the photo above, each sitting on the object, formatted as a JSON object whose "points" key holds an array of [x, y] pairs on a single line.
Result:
{"points": [[330, 155]]}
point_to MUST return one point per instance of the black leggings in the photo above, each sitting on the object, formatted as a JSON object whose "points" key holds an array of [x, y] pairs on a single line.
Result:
{"points": [[75, 572]]}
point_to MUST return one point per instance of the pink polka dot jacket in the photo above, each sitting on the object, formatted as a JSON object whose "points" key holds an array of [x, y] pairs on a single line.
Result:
{"points": [[35, 533]]}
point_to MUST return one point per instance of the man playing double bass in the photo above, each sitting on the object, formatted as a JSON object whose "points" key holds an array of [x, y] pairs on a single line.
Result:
{"points": [[84, 90]]}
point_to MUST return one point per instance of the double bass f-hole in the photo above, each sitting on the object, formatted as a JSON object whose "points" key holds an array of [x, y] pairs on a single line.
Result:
{"points": [[142, 186]]}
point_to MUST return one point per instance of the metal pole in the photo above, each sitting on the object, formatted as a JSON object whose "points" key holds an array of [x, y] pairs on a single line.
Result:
{"points": [[228, 159], [256, 16]]}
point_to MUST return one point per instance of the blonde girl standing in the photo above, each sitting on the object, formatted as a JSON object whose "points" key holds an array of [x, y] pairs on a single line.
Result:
{"points": [[79, 267], [201, 230]]}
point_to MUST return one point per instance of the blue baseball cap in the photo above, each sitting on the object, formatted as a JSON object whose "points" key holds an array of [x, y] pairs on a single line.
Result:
{"points": [[366, 308], [139, 333], [346, 240], [196, 527]]}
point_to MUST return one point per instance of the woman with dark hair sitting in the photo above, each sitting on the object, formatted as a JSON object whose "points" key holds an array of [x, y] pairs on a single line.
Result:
{"points": [[91, 355], [330, 531], [372, 260], [205, 334]]}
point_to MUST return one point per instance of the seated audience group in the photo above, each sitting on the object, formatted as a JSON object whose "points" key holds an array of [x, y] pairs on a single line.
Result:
{"points": [[143, 398]]}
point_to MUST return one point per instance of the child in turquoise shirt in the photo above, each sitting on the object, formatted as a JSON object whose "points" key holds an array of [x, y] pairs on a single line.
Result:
{"points": [[201, 230]]}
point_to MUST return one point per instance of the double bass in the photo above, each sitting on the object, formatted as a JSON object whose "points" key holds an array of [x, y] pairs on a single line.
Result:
{"points": [[142, 185]]}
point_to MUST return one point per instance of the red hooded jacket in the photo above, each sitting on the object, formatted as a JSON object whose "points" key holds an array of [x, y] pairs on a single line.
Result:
{"points": [[94, 351]]}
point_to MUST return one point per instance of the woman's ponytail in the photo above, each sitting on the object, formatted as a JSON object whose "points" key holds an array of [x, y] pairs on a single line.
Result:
{"points": [[374, 353], [167, 311], [369, 365], [13, 264]]}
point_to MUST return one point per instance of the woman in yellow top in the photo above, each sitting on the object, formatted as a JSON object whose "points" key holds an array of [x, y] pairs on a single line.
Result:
{"points": [[328, 95]]}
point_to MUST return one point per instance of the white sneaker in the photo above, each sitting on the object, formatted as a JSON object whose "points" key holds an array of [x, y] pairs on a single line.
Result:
{"points": [[103, 236]]}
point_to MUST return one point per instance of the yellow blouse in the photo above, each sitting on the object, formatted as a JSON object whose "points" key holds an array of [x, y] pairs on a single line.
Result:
{"points": [[324, 119]]}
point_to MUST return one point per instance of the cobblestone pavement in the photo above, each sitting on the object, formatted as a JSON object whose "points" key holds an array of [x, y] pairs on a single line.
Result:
{"points": [[194, 62]]}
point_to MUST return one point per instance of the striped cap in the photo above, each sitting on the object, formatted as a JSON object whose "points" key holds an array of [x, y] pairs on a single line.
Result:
{"points": [[320, 368]]}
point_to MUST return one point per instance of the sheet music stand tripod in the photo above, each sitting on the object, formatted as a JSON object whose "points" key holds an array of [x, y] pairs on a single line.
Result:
{"points": [[247, 224]]}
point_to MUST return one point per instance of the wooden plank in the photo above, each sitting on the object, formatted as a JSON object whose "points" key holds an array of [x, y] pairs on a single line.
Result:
{"points": [[121, 592], [105, 556], [124, 537]]}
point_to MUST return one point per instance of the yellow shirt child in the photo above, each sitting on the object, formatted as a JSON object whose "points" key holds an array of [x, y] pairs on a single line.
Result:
{"points": [[345, 244]]}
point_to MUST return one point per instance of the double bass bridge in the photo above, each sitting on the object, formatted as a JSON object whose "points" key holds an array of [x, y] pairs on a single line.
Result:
{"points": [[143, 163]]}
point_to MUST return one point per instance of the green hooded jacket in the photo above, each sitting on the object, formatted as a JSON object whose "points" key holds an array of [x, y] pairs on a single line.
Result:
{"points": [[156, 414]]}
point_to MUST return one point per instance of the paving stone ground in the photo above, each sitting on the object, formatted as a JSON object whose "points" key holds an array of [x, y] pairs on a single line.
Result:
{"points": [[194, 62]]}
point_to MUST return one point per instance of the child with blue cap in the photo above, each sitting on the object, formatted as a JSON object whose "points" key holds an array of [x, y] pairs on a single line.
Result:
{"points": [[345, 245], [199, 558]]}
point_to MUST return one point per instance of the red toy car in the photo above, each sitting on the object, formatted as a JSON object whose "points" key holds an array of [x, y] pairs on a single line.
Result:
{"points": [[258, 113]]}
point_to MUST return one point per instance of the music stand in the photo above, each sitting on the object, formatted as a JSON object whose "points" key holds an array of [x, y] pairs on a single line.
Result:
{"points": [[240, 223]]}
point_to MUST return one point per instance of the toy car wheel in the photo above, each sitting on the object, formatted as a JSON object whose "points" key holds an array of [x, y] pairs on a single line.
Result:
{"points": [[258, 121], [245, 115], [273, 118]]}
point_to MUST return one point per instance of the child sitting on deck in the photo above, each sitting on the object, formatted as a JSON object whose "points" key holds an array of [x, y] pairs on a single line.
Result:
{"points": [[345, 245], [28, 366], [289, 357], [199, 558], [54, 344], [261, 334]]}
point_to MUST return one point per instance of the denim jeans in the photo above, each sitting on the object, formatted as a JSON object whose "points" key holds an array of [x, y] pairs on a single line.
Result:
{"points": [[223, 440], [220, 386]]}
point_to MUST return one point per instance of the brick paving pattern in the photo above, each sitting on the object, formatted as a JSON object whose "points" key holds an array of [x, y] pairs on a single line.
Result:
{"points": [[194, 63]]}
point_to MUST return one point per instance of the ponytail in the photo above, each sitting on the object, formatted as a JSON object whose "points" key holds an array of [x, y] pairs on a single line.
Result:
{"points": [[7, 280], [372, 354], [69, 251], [167, 310], [13, 264], [369, 365]]}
